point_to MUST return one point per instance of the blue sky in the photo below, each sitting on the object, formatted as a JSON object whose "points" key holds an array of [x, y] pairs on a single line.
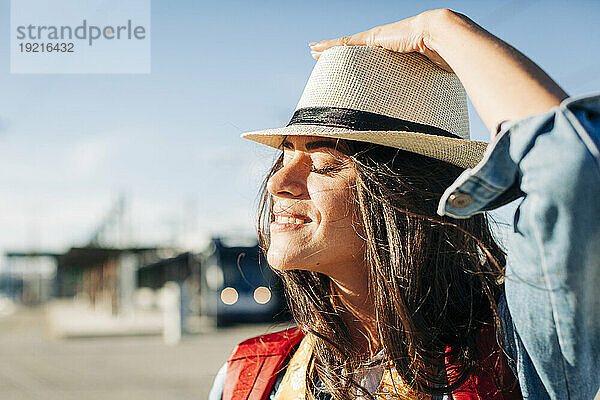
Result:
{"points": [[169, 140]]}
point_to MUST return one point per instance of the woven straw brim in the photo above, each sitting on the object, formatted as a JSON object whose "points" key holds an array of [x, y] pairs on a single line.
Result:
{"points": [[460, 152]]}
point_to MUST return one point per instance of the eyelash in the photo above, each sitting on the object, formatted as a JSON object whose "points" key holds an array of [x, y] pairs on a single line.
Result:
{"points": [[323, 171]]}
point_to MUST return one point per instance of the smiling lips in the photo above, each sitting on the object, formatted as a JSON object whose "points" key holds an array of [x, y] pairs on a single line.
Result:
{"points": [[284, 219], [283, 222]]}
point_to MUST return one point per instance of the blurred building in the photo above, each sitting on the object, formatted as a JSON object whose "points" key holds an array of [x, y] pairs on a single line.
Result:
{"points": [[174, 269], [105, 277], [29, 276]]}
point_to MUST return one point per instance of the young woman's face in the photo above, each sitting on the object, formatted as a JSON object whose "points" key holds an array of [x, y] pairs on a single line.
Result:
{"points": [[314, 223]]}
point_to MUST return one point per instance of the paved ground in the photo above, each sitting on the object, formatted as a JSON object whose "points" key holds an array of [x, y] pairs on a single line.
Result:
{"points": [[35, 366]]}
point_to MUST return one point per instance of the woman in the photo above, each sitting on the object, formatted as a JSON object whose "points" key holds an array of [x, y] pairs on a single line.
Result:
{"points": [[390, 298]]}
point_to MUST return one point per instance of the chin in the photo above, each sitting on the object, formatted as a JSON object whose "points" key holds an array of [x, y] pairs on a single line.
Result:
{"points": [[284, 262]]}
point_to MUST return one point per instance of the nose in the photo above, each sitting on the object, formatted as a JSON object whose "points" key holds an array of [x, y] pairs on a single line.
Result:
{"points": [[289, 181]]}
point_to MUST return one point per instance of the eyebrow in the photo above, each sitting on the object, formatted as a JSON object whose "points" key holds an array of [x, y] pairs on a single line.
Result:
{"points": [[317, 144]]}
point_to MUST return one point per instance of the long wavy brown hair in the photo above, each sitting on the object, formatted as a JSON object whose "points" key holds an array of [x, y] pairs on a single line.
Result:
{"points": [[435, 281]]}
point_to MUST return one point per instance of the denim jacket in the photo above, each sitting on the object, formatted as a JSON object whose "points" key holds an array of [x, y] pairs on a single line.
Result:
{"points": [[551, 309]]}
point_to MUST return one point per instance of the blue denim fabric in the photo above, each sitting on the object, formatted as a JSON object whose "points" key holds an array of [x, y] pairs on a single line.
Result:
{"points": [[551, 313]]}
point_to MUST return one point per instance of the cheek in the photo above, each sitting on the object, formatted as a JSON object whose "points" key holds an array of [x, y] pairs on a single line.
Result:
{"points": [[341, 226], [335, 207]]}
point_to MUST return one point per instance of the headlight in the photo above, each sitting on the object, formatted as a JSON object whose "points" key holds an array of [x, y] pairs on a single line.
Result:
{"points": [[262, 295], [229, 296]]}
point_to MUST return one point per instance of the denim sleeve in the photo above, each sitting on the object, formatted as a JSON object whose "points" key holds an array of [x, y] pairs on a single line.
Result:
{"points": [[552, 162]]}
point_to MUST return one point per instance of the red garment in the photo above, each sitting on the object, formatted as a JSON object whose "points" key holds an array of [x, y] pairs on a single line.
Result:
{"points": [[254, 364]]}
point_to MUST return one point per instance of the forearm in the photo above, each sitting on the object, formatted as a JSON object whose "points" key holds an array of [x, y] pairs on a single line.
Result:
{"points": [[502, 83]]}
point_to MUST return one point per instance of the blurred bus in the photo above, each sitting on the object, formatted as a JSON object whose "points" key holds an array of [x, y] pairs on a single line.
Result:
{"points": [[239, 286]]}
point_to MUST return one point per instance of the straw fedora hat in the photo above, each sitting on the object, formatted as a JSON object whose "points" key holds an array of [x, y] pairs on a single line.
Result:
{"points": [[374, 95]]}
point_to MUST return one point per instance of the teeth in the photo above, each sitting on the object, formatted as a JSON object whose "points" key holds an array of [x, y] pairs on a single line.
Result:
{"points": [[288, 220]]}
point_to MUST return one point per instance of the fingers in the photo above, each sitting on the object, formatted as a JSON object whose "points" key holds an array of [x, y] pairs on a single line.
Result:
{"points": [[392, 37], [343, 41], [359, 39], [403, 36]]}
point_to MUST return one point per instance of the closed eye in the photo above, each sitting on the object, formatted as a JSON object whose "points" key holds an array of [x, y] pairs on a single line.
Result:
{"points": [[325, 170]]}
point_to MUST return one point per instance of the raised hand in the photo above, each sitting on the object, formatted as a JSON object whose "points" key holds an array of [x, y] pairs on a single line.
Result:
{"points": [[503, 84]]}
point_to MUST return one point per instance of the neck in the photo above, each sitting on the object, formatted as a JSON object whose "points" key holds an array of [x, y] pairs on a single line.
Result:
{"points": [[360, 318]]}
